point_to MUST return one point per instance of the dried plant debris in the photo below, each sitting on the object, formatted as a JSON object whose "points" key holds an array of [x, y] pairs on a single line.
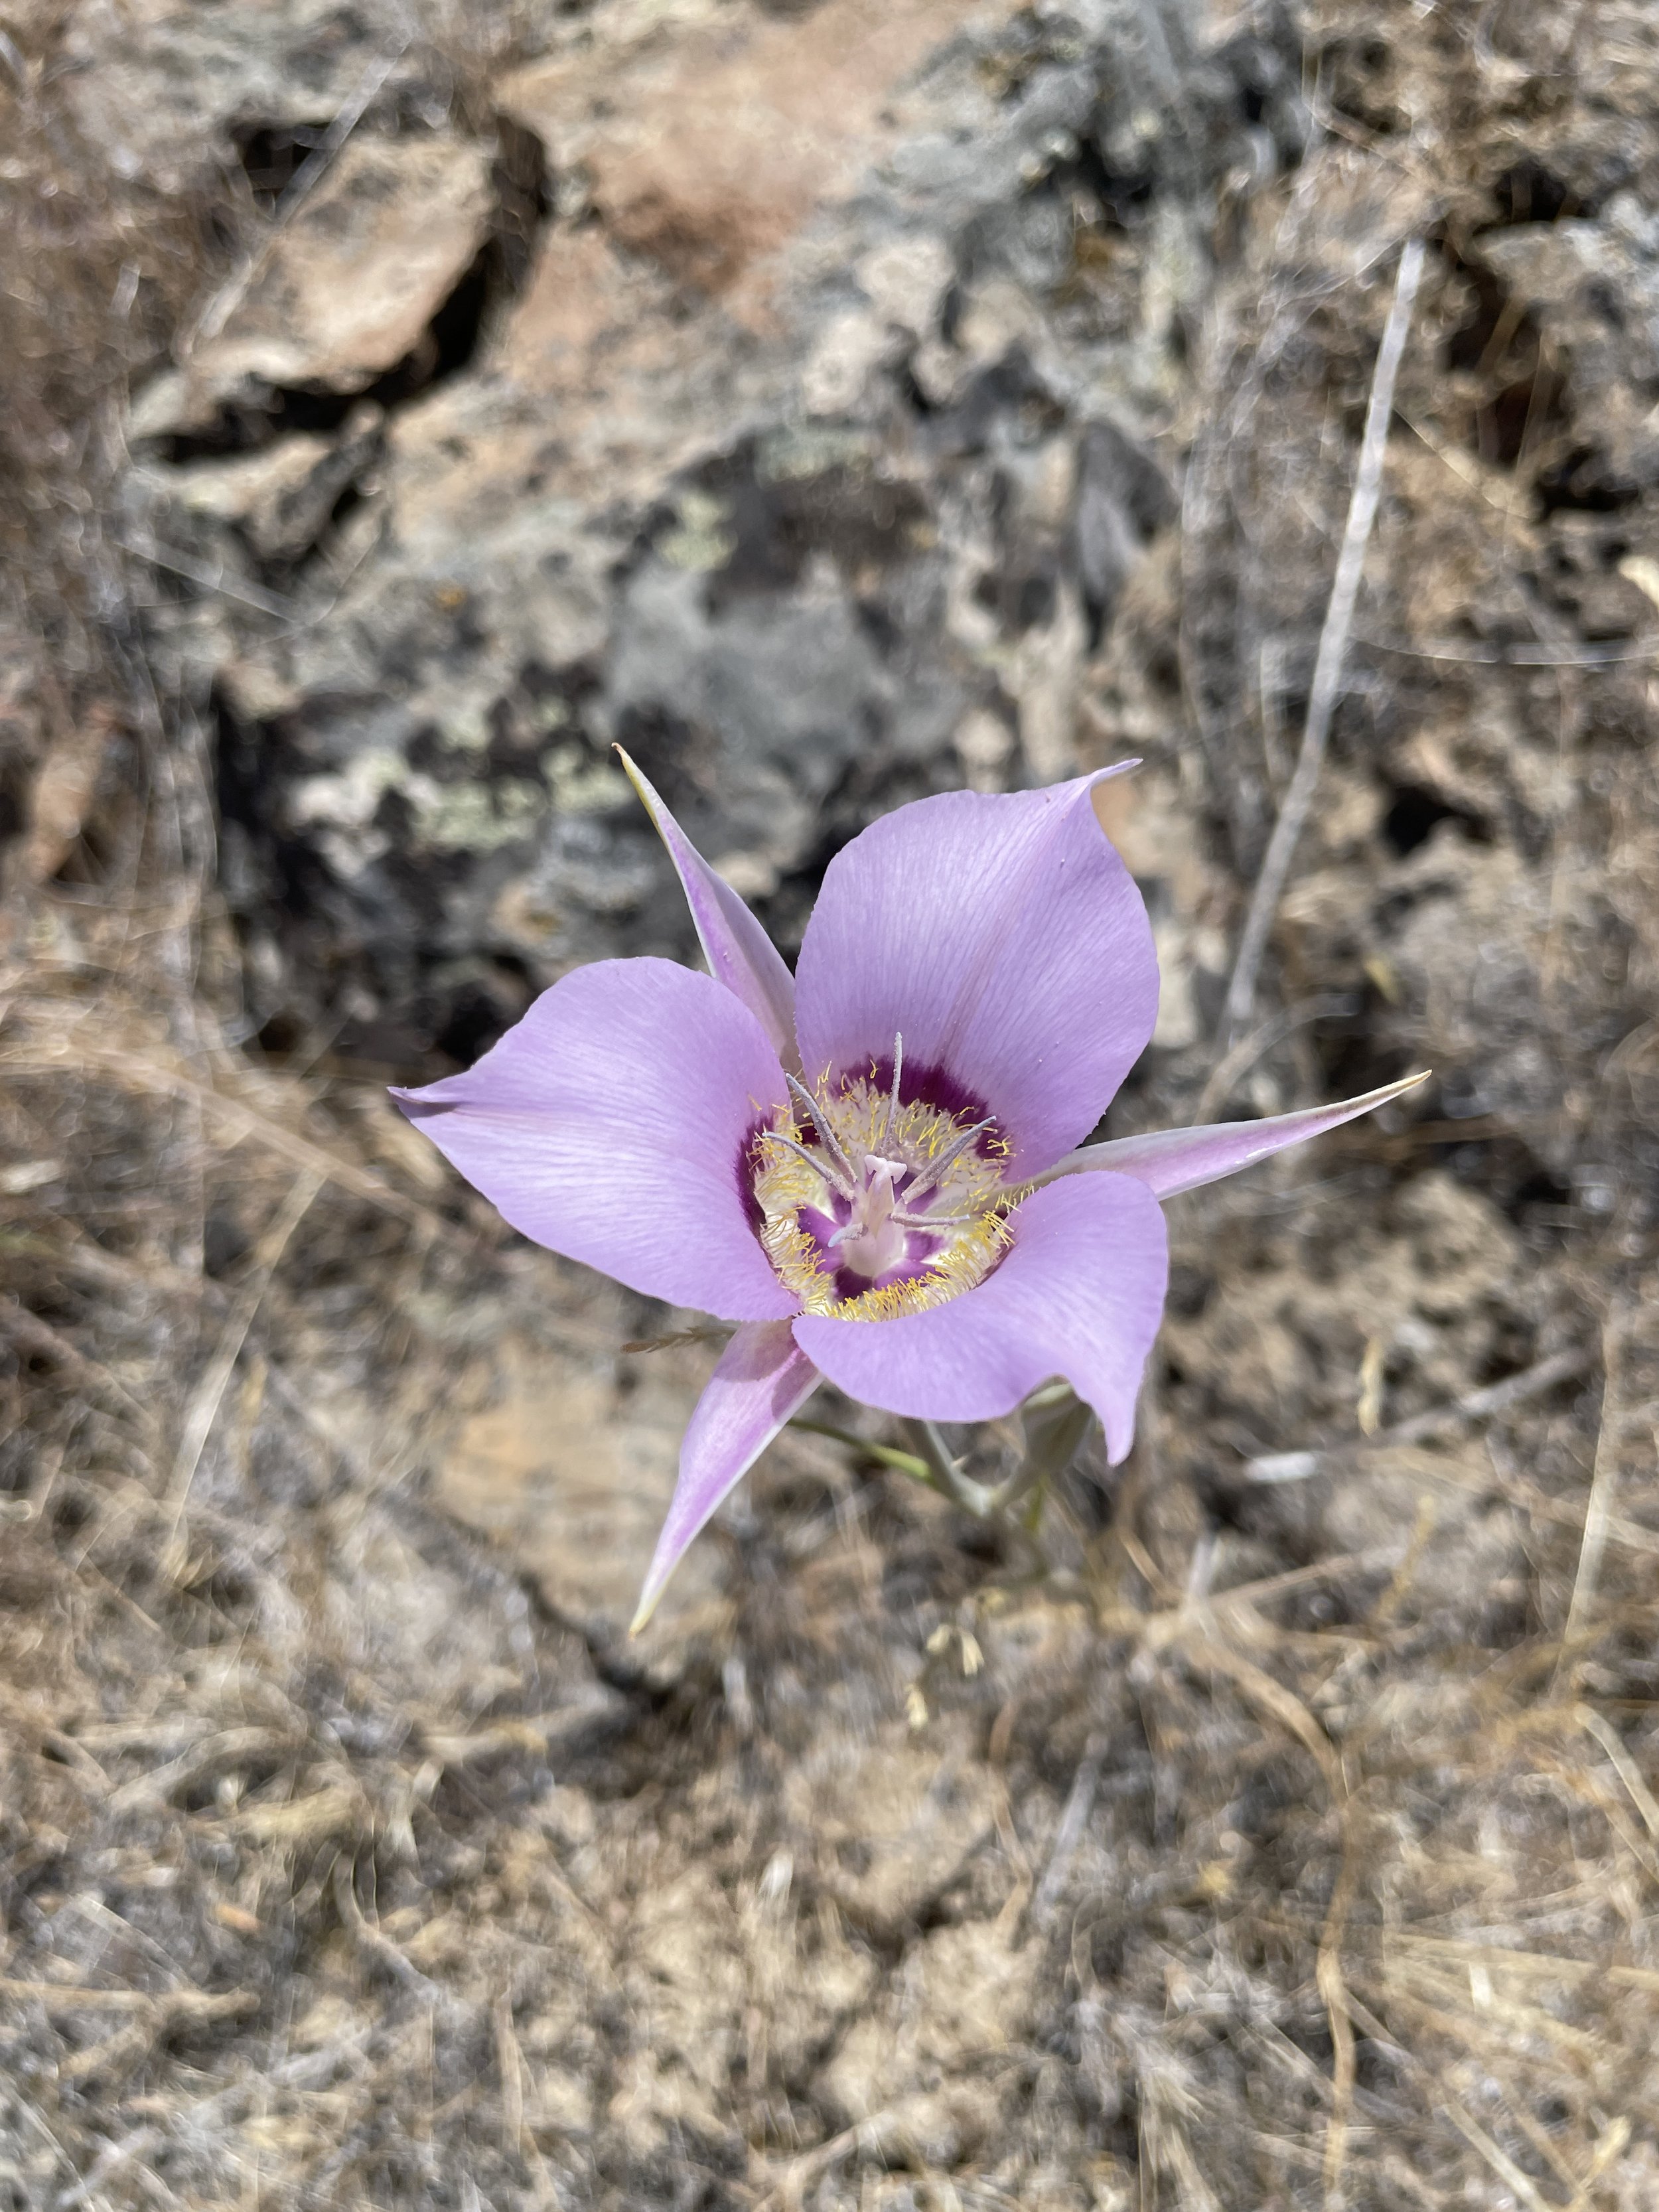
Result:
{"points": [[1283, 1830]]}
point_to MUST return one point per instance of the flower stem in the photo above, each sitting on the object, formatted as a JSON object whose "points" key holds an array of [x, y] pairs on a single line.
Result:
{"points": [[1055, 1422], [975, 1498], [905, 1463]]}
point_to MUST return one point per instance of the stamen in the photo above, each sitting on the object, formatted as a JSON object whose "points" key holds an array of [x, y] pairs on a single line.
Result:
{"points": [[893, 1100], [827, 1137], [947, 1159], [836, 1181], [865, 1144]]}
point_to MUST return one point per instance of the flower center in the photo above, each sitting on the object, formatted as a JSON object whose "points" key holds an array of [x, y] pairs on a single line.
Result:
{"points": [[872, 1207]]}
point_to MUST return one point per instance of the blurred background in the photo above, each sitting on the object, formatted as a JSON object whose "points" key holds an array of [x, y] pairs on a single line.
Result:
{"points": [[835, 401]]}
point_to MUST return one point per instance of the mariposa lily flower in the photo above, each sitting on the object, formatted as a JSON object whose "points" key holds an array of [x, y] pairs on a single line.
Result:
{"points": [[871, 1167]]}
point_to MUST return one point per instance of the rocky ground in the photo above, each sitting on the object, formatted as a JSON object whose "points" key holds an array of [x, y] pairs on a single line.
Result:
{"points": [[834, 403]]}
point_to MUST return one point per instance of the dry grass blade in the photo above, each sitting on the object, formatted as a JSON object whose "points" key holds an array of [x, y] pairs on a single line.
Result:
{"points": [[1333, 641], [59, 1996], [1504, 2167], [378, 1947], [1610, 2147], [40, 1338], [1603, 1492], [1334, 1991], [203, 1407], [180, 2008], [1283, 1706], [1629, 1774], [1537, 1966], [789, 2194], [158, 1077], [1079, 1804], [1474, 1406]]}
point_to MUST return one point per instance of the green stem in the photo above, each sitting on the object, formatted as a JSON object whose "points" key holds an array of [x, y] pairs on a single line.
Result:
{"points": [[961, 1489], [1056, 1422], [905, 1463]]}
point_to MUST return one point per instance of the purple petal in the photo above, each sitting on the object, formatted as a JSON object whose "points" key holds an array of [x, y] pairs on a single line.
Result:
{"points": [[739, 951], [761, 1378], [1006, 939], [1171, 1160], [1079, 1294], [613, 1124]]}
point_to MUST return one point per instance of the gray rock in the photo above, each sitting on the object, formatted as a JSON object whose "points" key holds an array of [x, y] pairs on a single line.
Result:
{"points": [[807, 459]]}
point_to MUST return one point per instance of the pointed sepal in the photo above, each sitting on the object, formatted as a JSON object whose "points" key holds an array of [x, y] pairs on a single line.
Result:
{"points": [[1169, 1161], [739, 951], [760, 1380]]}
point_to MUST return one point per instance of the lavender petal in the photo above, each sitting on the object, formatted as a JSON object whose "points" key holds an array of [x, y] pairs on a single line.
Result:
{"points": [[1079, 1294], [613, 1124], [761, 1380], [1169, 1161], [739, 951], [1005, 938]]}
